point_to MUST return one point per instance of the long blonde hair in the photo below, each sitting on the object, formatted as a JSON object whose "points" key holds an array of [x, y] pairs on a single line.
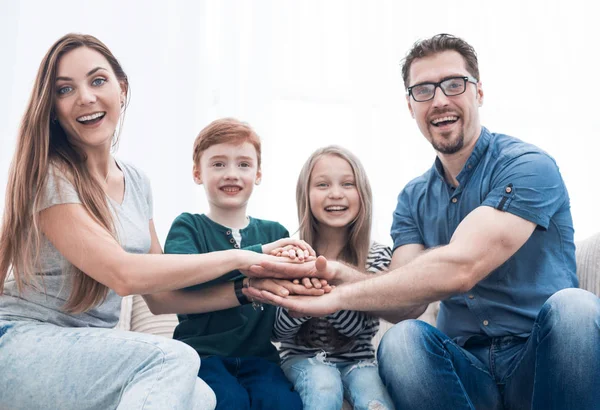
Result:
{"points": [[356, 249], [41, 144]]}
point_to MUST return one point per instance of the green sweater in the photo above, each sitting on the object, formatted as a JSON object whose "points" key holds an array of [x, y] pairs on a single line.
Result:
{"points": [[239, 331]]}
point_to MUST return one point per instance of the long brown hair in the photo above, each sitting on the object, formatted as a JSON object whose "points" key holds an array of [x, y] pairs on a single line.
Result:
{"points": [[356, 249], [42, 146]]}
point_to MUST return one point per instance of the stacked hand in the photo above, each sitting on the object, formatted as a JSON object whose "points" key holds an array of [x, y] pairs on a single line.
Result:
{"points": [[293, 285]]}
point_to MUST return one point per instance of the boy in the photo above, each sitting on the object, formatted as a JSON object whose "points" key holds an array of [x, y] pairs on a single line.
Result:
{"points": [[232, 337]]}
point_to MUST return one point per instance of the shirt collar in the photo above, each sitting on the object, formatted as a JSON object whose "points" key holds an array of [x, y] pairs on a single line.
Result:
{"points": [[478, 153]]}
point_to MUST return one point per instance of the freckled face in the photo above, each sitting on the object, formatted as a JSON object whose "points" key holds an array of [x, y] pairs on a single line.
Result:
{"points": [[228, 173]]}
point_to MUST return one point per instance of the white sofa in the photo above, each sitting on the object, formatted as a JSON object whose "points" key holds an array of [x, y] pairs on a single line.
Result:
{"points": [[136, 317]]}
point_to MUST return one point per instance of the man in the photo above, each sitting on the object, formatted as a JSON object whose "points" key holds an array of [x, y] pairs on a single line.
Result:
{"points": [[488, 231]]}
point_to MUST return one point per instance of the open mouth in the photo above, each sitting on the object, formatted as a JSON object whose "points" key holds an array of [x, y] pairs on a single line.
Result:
{"points": [[442, 121], [230, 189], [91, 118], [336, 208]]}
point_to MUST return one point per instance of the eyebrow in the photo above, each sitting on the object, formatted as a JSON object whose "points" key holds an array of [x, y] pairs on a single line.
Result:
{"points": [[91, 72], [444, 78], [244, 157]]}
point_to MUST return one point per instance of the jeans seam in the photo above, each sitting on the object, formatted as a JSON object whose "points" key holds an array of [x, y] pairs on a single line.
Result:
{"points": [[460, 349]]}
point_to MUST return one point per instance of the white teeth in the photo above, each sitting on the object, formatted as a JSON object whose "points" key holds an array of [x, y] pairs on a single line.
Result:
{"points": [[91, 116], [230, 189], [438, 120], [336, 208]]}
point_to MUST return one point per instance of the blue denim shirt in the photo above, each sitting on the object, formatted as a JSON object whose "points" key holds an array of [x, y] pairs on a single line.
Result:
{"points": [[512, 176]]}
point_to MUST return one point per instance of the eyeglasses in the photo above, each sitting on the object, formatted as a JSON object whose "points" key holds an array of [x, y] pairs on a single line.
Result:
{"points": [[450, 87]]}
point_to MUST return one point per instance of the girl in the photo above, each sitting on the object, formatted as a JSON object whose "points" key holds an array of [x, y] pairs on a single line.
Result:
{"points": [[77, 234], [332, 358]]}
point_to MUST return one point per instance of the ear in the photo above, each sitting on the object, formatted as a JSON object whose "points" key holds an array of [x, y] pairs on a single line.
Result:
{"points": [[196, 174], [258, 177], [479, 94], [123, 95], [412, 113]]}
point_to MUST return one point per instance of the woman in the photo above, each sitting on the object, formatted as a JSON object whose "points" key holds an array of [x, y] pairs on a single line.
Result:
{"points": [[77, 235]]}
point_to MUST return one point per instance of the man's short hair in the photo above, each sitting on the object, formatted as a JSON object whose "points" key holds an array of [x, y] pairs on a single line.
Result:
{"points": [[437, 44]]}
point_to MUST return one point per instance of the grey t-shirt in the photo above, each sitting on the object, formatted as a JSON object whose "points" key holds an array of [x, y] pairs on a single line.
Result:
{"points": [[131, 219]]}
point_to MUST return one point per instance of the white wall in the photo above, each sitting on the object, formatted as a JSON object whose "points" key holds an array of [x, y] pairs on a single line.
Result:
{"points": [[310, 73]]}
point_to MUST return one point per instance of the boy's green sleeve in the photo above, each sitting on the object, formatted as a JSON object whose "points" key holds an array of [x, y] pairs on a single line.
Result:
{"points": [[183, 237]]}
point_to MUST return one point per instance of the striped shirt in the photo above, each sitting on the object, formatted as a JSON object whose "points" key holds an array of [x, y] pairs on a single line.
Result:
{"points": [[357, 328]]}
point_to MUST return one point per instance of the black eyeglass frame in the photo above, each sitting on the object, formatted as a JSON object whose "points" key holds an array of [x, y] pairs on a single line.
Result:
{"points": [[439, 84]]}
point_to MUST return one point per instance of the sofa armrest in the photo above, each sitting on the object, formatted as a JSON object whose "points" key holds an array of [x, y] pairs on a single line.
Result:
{"points": [[588, 263]]}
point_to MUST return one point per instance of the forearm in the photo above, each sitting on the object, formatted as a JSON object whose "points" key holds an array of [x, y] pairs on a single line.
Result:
{"points": [[398, 315], [150, 273], [218, 297], [406, 291]]}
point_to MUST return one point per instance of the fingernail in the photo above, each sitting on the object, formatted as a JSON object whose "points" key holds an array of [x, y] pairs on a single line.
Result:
{"points": [[284, 292]]}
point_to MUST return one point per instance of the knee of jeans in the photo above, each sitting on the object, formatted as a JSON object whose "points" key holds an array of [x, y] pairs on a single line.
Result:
{"points": [[320, 375], [377, 405], [571, 310], [180, 356], [205, 396], [401, 339]]}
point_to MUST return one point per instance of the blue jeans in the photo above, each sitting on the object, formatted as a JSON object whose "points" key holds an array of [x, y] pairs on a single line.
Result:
{"points": [[44, 366], [556, 367], [248, 383], [323, 385]]}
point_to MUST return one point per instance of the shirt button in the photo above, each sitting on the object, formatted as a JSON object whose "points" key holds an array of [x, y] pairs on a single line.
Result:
{"points": [[236, 246], [232, 240], [228, 233], [454, 200], [485, 323], [508, 190], [471, 296], [469, 166]]}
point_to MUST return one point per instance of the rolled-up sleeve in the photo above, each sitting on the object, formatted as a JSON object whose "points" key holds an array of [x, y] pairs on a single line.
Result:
{"points": [[529, 186], [404, 227]]}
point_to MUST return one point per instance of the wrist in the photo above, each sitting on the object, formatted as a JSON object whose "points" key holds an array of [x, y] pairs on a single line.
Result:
{"points": [[344, 273], [238, 284]]}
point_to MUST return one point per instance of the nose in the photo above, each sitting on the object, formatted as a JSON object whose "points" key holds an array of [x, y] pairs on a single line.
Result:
{"points": [[86, 96], [231, 173], [335, 192], [439, 98]]}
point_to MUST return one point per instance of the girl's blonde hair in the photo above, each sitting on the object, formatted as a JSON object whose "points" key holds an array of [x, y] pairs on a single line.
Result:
{"points": [[356, 249], [41, 145]]}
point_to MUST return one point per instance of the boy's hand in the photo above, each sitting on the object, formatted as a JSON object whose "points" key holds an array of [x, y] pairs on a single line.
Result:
{"points": [[291, 248]]}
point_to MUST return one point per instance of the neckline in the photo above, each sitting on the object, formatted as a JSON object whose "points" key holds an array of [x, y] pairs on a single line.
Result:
{"points": [[125, 184]]}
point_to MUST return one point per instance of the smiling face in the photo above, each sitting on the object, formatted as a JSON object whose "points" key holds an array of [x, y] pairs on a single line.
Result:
{"points": [[88, 97], [450, 124], [228, 173], [333, 197]]}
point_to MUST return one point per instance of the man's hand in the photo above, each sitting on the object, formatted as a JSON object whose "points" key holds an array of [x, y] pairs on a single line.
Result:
{"points": [[301, 305]]}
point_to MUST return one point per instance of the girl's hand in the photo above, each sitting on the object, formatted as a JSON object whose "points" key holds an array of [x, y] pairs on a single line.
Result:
{"points": [[291, 248]]}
